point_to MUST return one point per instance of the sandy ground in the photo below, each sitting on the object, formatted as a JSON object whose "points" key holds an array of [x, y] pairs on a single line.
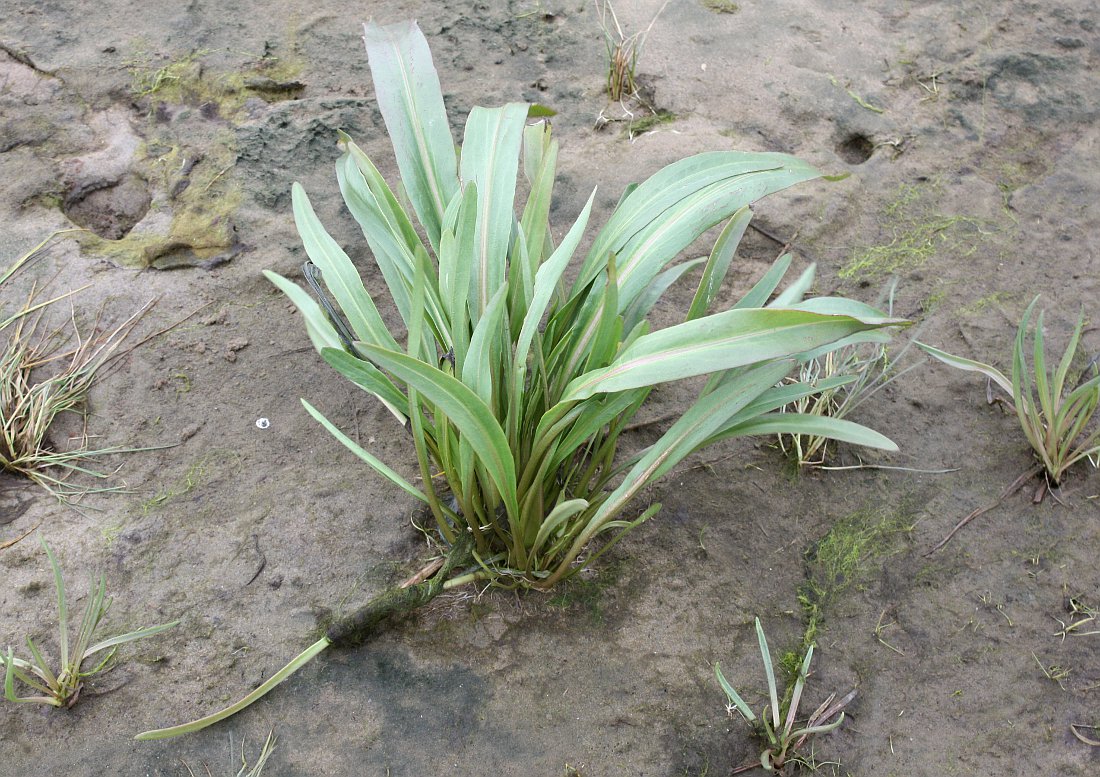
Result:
{"points": [[970, 132]]}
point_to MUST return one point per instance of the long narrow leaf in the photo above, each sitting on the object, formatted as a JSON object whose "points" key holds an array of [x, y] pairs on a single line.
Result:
{"points": [[370, 379], [969, 365], [806, 423], [320, 331], [645, 301], [339, 274], [358, 450], [62, 603], [477, 371], [714, 343], [718, 263], [490, 158], [731, 181], [129, 637], [411, 101], [757, 296], [467, 411], [734, 696], [769, 671], [540, 157]]}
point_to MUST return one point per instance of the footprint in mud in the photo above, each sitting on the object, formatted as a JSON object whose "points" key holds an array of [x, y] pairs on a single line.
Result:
{"points": [[102, 191], [112, 210]]}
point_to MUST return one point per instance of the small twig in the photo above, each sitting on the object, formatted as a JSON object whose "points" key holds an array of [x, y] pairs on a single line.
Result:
{"points": [[424, 573], [216, 177], [787, 244], [1012, 489], [263, 559], [1087, 740], [9, 543], [650, 422]]}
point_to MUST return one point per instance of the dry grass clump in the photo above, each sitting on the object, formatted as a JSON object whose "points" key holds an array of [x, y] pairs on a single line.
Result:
{"points": [[44, 373]]}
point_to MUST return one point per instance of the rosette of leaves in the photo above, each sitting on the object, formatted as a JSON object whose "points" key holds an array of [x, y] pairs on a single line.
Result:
{"points": [[1055, 406], [516, 373], [515, 383]]}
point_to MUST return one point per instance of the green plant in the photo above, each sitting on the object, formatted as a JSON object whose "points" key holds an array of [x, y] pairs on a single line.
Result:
{"points": [[515, 385], [845, 378], [777, 723], [1081, 615], [257, 768], [1054, 407], [34, 392], [721, 6], [62, 688], [622, 51]]}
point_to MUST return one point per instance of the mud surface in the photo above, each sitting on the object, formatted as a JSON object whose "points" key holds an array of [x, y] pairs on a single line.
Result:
{"points": [[970, 133]]}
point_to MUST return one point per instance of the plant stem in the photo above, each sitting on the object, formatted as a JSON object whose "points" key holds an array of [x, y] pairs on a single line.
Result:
{"points": [[353, 630], [348, 632]]}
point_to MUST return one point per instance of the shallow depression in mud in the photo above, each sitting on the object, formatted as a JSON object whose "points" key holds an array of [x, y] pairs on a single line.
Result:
{"points": [[110, 211]]}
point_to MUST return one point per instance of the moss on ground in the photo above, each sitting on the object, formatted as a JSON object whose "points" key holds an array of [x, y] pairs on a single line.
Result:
{"points": [[721, 6], [843, 559], [190, 171], [650, 122], [918, 232]]}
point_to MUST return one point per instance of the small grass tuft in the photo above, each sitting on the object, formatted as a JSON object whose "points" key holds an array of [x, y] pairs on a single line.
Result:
{"points": [[776, 726], [1055, 407], [622, 51], [62, 688], [845, 378], [45, 374]]}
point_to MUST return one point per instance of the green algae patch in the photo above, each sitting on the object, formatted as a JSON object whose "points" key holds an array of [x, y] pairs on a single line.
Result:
{"points": [[189, 80], [190, 221], [844, 558], [650, 122], [917, 233], [187, 159]]}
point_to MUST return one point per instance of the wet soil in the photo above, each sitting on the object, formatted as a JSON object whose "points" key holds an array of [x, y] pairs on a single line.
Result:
{"points": [[969, 131]]}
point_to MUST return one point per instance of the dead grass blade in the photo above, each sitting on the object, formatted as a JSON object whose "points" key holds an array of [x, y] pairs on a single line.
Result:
{"points": [[1017, 484], [44, 374]]}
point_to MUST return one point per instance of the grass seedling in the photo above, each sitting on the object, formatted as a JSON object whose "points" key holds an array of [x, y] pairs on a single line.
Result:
{"points": [[846, 378], [622, 51], [1082, 620], [1054, 672], [514, 384], [256, 769], [62, 688], [44, 375], [777, 726], [1055, 406]]}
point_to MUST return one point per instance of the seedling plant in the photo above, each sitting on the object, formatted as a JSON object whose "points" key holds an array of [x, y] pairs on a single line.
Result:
{"points": [[622, 50], [516, 379], [62, 688], [868, 368], [777, 725], [1055, 407]]}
